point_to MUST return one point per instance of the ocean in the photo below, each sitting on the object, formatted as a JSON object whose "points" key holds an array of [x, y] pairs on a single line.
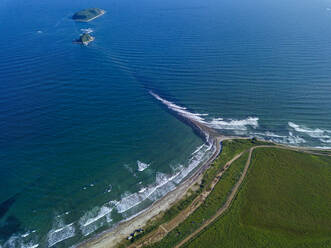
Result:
{"points": [[90, 135]]}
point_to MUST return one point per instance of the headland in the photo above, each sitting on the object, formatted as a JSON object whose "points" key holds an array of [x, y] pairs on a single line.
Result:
{"points": [[162, 219]]}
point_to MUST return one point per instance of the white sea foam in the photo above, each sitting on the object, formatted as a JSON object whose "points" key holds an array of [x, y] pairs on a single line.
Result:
{"points": [[30, 245], [322, 134], [87, 30], [289, 139], [314, 133], [198, 149], [25, 234], [163, 183], [109, 188], [128, 201], [220, 123], [94, 219], [16, 241], [217, 123], [323, 147], [193, 163], [142, 166], [292, 139], [180, 110], [60, 232]]}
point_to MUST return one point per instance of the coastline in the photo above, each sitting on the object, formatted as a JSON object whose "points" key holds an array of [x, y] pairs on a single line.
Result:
{"points": [[80, 20], [113, 236]]}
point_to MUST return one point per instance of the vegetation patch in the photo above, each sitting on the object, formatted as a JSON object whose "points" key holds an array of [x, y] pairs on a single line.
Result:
{"points": [[214, 201], [284, 202], [87, 14]]}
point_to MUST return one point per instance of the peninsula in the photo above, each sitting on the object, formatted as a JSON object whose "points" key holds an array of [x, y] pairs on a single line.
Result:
{"points": [[87, 15], [250, 193]]}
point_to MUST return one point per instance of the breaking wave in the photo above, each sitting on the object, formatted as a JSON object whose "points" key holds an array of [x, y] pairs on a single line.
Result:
{"points": [[321, 134], [163, 183], [95, 219], [87, 30], [19, 241], [180, 110], [60, 232], [142, 166], [248, 127], [220, 123], [217, 123], [132, 203], [289, 139]]}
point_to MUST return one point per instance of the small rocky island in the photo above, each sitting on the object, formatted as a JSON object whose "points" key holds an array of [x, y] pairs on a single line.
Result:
{"points": [[84, 39], [87, 15]]}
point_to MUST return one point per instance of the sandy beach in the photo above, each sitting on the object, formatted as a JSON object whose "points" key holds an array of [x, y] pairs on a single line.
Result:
{"points": [[112, 237]]}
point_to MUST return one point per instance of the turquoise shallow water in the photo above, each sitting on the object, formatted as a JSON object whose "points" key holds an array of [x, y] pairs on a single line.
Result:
{"points": [[83, 141]]}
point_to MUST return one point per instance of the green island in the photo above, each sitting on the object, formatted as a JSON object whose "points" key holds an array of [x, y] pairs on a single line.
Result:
{"points": [[87, 15], [84, 39], [254, 194]]}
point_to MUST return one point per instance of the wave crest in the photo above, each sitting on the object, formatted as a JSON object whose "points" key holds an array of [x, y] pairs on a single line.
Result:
{"points": [[94, 219], [322, 134], [217, 123], [60, 232], [220, 123], [163, 183], [142, 166]]}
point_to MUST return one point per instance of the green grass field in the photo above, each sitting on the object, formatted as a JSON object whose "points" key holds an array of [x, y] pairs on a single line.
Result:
{"points": [[217, 197], [285, 201], [213, 202]]}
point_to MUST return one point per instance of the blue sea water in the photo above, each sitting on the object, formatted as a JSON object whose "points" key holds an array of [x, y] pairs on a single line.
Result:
{"points": [[83, 143]]}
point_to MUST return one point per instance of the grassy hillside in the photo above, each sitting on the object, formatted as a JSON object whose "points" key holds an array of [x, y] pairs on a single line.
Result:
{"points": [[285, 201], [217, 197]]}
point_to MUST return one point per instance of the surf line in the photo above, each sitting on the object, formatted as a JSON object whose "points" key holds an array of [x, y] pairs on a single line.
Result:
{"points": [[195, 121], [111, 237]]}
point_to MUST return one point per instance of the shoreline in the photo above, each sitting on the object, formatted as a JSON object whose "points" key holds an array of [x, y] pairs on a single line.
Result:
{"points": [[113, 236], [81, 20]]}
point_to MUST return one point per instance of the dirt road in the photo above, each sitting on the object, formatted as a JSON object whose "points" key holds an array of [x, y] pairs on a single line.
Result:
{"points": [[228, 201]]}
